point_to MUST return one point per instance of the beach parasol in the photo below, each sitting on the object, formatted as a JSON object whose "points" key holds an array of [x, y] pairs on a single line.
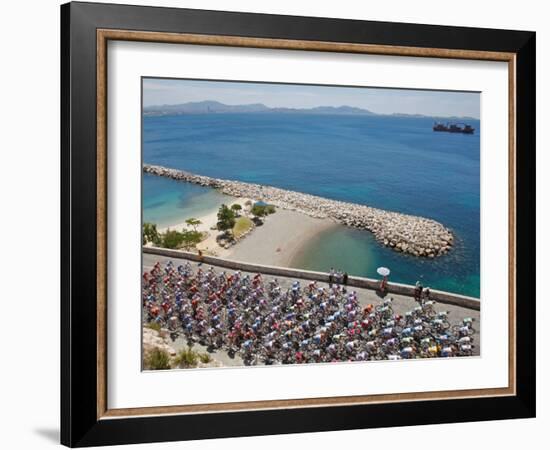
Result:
{"points": [[384, 271]]}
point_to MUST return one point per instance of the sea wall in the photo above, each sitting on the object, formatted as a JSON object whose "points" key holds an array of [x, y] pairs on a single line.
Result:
{"points": [[405, 233], [353, 281]]}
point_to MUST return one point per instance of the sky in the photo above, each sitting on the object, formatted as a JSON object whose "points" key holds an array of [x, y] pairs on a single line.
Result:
{"points": [[158, 92]]}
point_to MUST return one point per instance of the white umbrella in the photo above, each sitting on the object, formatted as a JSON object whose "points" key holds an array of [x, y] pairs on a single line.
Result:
{"points": [[384, 271]]}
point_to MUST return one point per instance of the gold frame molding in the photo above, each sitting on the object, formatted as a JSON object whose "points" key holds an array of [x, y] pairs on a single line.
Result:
{"points": [[104, 35]]}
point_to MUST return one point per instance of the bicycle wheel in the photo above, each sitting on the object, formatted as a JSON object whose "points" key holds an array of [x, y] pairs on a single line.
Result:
{"points": [[430, 312], [456, 329]]}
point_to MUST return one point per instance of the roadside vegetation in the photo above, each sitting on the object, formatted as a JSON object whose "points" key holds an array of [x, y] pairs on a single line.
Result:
{"points": [[188, 358], [185, 239], [150, 234], [173, 239], [157, 359], [154, 326]]}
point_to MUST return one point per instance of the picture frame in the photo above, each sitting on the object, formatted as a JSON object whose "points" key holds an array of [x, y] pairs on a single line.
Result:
{"points": [[86, 418]]}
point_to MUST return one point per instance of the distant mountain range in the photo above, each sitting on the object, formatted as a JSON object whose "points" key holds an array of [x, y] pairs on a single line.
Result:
{"points": [[213, 107]]}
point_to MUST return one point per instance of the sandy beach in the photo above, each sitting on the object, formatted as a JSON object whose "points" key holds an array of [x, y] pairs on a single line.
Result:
{"points": [[279, 239], [274, 243]]}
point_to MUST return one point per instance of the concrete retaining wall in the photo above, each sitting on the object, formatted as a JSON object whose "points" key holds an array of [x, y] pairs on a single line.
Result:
{"points": [[360, 282]]}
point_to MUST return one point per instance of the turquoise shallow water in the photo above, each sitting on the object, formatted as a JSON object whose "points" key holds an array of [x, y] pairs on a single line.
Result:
{"points": [[358, 253], [168, 202], [395, 163]]}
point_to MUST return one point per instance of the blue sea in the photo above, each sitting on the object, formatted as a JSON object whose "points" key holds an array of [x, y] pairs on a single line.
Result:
{"points": [[390, 162]]}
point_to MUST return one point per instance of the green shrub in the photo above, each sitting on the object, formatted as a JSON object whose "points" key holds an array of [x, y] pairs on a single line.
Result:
{"points": [[172, 239], [157, 359], [154, 326], [192, 237], [150, 234], [177, 239], [187, 358], [260, 210], [205, 358], [226, 218]]}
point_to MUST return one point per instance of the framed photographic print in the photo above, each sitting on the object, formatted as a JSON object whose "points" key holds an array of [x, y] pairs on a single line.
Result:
{"points": [[276, 224]]}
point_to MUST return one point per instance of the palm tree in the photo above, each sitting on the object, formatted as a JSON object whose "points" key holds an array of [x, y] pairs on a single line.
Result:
{"points": [[192, 222]]}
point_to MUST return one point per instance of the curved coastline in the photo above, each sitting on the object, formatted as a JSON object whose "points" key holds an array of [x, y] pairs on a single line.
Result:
{"points": [[417, 236], [299, 253], [280, 238], [306, 245]]}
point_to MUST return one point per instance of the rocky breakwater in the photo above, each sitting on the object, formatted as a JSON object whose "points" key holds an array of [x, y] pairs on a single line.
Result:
{"points": [[404, 233]]}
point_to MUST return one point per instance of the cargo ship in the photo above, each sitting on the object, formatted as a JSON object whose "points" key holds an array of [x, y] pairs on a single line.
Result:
{"points": [[454, 128]]}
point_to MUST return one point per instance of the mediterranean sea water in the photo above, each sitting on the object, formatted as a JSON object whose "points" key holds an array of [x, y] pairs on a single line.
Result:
{"points": [[390, 162], [168, 202]]}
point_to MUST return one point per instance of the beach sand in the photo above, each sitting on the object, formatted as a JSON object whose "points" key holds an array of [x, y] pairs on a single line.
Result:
{"points": [[274, 243], [279, 239]]}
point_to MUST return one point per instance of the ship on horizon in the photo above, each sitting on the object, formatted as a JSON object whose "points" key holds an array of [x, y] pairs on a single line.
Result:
{"points": [[453, 127]]}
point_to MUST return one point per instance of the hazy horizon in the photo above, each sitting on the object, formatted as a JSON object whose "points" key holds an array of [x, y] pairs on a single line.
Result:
{"points": [[160, 92]]}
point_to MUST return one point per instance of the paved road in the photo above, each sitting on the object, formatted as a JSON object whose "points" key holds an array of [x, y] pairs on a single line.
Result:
{"points": [[401, 303]]}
